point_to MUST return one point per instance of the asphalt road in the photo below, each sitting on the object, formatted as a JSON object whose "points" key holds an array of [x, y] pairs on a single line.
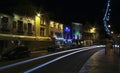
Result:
{"points": [[70, 62]]}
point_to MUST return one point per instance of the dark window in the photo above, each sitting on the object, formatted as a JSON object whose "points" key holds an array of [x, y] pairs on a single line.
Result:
{"points": [[4, 22], [25, 26], [33, 27], [42, 30], [51, 33], [58, 34], [20, 26], [29, 28], [14, 24]]}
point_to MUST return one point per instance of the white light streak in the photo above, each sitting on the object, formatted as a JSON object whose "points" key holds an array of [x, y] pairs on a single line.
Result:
{"points": [[41, 57], [49, 62]]}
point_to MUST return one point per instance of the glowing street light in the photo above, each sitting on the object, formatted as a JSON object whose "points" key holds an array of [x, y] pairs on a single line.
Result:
{"points": [[92, 30], [109, 26], [38, 14], [112, 32]]}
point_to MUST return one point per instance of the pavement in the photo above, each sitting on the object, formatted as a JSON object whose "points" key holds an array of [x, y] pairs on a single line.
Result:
{"points": [[103, 61]]}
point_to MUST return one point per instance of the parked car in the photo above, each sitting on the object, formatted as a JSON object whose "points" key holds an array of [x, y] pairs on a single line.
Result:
{"points": [[18, 52]]}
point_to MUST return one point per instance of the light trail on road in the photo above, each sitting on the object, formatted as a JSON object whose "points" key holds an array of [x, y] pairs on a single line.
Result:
{"points": [[41, 57], [56, 59]]}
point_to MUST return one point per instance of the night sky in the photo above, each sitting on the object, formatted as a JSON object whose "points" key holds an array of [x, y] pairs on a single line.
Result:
{"points": [[67, 11], [81, 10], [74, 10]]}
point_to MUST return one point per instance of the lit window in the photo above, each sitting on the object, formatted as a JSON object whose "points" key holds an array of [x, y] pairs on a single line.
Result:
{"points": [[56, 25], [43, 22], [61, 26], [51, 24]]}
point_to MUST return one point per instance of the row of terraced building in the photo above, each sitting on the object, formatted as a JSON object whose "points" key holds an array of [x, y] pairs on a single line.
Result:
{"points": [[34, 32]]}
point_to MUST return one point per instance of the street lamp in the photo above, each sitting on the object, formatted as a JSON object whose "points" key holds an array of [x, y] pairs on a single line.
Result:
{"points": [[112, 32], [92, 30], [109, 26], [38, 14]]}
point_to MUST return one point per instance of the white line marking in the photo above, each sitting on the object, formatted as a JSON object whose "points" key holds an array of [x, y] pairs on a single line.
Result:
{"points": [[44, 64], [29, 60]]}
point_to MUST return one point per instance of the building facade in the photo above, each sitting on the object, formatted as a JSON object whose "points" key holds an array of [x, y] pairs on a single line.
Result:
{"points": [[56, 32], [77, 33], [33, 32]]}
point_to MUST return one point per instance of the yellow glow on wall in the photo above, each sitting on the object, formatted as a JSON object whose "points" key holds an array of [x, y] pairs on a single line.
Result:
{"points": [[16, 17], [37, 25], [32, 21], [51, 24], [37, 19]]}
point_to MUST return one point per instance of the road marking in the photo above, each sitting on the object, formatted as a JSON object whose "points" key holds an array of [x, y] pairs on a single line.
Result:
{"points": [[41, 57], [56, 59]]}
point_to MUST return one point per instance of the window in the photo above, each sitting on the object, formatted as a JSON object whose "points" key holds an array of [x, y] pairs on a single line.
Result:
{"points": [[56, 25], [14, 24], [20, 26], [25, 26], [58, 34], [51, 33], [61, 26], [29, 28], [4, 22], [42, 30], [51, 24], [42, 22]]}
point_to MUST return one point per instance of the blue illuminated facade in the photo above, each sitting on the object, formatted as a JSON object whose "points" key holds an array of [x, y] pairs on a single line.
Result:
{"points": [[67, 32]]}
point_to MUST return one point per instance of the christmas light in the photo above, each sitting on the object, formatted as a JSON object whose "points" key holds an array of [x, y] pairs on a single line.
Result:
{"points": [[107, 17]]}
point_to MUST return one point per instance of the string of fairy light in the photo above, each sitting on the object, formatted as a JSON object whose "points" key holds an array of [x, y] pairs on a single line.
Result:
{"points": [[107, 17]]}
